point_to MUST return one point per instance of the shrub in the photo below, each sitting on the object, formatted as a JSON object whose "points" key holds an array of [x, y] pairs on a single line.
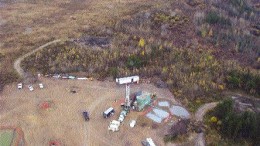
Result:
{"points": [[241, 5], [223, 109], [245, 43], [169, 138], [244, 80], [134, 61], [7, 77], [213, 18], [213, 119], [141, 43], [113, 71]]}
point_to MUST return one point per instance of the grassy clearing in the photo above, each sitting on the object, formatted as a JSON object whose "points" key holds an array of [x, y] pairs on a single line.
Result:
{"points": [[6, 137], [29, 24]]}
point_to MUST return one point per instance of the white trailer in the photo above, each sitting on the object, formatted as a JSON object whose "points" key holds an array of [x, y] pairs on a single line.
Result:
{"points": [[109, 112], [127, 80]]}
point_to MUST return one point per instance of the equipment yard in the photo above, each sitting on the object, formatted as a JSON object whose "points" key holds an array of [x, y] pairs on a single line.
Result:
{"points": [[55, 113]]}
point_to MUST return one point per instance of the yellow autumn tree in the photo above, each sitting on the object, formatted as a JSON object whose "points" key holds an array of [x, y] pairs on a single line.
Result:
{"points": [[141, 43], [142, 53]]}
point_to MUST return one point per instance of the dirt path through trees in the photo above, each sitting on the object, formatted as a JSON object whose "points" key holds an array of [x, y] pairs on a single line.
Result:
{"points": [[200, 139], [17, 63]]}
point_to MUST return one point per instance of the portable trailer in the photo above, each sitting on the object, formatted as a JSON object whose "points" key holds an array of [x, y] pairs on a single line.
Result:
{"points": [[109, 112]]}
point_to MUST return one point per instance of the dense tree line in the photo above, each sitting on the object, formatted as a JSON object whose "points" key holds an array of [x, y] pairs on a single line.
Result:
{"points": [[244, 80], [234, 125]]}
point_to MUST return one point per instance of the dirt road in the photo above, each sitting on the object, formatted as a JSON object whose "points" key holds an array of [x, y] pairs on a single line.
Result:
{"points": [[203, 109], [17, 63], [200, 139]]}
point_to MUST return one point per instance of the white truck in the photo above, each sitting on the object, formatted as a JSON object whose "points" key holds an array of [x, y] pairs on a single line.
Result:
{"points": [[114, 126], [20, 85], [121, 118], [132, 123], [148, 142], [30, 87], [41, 86]]}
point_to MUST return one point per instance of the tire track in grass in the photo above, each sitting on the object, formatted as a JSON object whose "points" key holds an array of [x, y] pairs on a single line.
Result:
{"points": [[17, 63]]}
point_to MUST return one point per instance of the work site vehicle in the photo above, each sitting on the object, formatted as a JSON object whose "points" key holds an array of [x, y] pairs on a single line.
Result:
{"points": [[109, 112], [122, 115], [132, 123], [148, 142], [114, 126], [20, 85], [85, 115], [121, 118]]}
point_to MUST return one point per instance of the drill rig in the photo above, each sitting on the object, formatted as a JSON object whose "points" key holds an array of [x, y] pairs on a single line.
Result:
{"points": [[127, 81]]}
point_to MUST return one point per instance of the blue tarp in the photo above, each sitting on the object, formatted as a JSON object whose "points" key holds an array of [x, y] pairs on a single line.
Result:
{"points": [[161, 113], [179, 111], [154, 117], [164, 103]]}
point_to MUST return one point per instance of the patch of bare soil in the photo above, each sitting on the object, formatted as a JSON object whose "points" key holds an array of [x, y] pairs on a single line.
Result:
{"points": [[55, 113]]}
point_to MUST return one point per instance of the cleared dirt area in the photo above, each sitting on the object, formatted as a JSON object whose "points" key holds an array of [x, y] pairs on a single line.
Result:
{"points": [[64, 122]]}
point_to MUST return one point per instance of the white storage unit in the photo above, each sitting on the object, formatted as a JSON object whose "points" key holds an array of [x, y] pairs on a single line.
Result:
{"points": [[127, 80]]}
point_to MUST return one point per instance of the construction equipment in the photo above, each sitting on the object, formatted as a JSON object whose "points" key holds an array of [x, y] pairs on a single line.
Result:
{"points": [[114, 126], [127, 81]]}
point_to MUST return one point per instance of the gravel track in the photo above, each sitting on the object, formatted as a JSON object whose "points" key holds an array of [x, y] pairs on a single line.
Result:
{"points": [[17, 63]]}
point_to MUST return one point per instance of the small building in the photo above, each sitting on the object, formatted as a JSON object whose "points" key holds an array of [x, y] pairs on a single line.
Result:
{"points": [[142, 99]]}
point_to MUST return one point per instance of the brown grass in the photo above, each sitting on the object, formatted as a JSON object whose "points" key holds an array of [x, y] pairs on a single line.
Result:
{"points": [[29, 24]]}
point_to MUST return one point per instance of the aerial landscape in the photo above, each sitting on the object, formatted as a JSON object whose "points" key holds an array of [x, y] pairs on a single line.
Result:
{"points": [[129, 72]]}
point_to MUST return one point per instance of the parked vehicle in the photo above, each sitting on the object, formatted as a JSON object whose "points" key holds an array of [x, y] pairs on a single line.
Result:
{"points": [[109, 112], [85, 115], [56, 76], [41, 85], [121, 118], [132, 123], [30, 87], [72, 77], [65, 77], [20, 85], [122, 115], [148, 142], [114, 126]]}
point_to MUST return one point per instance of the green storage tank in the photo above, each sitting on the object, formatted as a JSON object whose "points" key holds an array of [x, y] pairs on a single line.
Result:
{"points": [[142, 99]]}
